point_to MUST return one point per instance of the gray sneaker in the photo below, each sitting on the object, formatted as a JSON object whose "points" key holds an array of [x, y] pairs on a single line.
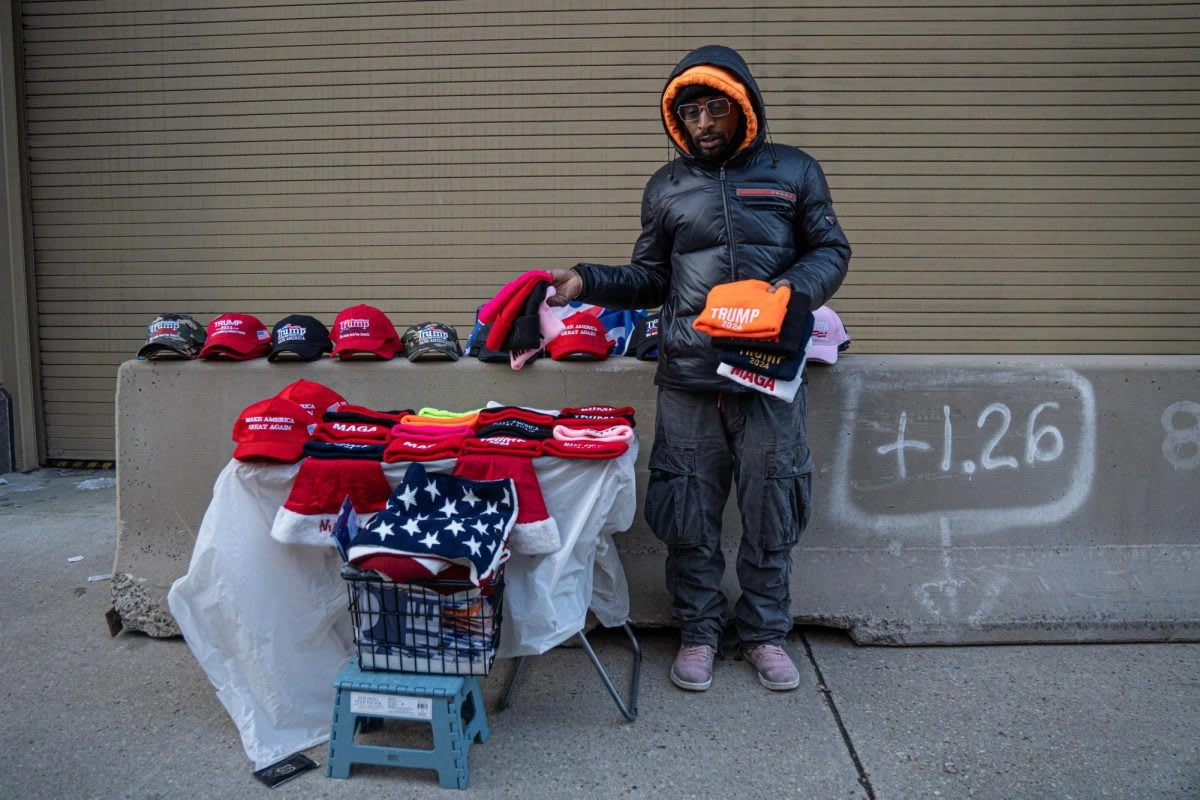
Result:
{"points": [[775, 668], [693, 667]]}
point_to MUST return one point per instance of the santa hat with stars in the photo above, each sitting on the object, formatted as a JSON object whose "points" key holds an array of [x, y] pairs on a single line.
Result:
{"points": [[443, 520], [535, 532]]}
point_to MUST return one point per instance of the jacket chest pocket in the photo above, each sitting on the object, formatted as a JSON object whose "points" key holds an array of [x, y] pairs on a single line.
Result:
{"points": [[766, 198], [766, 217]]}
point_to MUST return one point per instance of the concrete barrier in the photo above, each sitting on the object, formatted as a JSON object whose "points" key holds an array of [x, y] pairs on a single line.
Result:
{"points": [[6, 433], [957, 499]]}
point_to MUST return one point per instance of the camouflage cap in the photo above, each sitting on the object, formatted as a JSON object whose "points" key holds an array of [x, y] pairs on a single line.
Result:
{"points": [[173, 336], [432, 341]]}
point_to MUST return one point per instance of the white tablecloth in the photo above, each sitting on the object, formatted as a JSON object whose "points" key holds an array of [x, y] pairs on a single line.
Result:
{"points": [[269, 624]]}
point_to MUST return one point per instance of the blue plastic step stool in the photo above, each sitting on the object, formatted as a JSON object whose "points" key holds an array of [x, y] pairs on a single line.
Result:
{"points": [[451, 704]]}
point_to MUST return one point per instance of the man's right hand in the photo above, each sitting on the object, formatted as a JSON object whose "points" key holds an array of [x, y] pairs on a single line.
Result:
{"points": [[567, 286]]}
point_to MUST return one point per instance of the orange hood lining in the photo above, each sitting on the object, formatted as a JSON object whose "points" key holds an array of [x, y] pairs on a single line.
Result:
{"points": [[716, 78]]}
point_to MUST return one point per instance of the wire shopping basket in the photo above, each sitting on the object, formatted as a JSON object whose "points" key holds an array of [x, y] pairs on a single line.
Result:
{"points": [[444, 627]]}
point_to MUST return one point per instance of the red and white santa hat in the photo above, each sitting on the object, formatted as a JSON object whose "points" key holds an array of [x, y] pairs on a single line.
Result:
{"points": [[320, 488]]}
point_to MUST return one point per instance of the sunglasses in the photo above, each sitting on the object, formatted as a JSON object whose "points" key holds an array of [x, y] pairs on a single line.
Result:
{"points": [[717, 107]]}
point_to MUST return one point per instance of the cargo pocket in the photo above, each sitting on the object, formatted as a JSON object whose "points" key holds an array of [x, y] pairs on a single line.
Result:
{"points": [[787, 496], [671, 509]]}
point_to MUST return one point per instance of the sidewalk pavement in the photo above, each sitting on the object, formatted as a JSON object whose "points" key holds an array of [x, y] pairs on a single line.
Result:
{"points": [[91, 716]]}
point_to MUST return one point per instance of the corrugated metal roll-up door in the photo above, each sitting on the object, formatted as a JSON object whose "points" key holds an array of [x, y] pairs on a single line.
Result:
{"points": [[1018, 178]]}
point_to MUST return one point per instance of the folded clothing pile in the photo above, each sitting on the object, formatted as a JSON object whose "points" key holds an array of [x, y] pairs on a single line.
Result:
{"points": [[766, 337], [520, 319]]}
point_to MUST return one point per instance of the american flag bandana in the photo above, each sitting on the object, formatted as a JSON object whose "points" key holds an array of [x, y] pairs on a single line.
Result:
{"points": [[433, 516]]}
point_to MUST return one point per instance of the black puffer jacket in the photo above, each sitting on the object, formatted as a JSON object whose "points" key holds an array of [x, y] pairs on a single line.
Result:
{"points": [[765, 214]]}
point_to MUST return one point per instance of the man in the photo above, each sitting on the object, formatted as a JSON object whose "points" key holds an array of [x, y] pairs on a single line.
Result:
{"points": [[731, 207]]}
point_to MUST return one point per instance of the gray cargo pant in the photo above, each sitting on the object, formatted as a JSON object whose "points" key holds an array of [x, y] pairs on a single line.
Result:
{"points": [[702, 442]]}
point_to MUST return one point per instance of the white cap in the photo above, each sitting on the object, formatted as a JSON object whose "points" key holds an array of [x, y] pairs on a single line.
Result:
{"points": [[829, 336]]}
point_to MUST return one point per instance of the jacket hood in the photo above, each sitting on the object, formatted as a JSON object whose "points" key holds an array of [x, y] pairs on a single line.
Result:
{"points": [[726, 60]]}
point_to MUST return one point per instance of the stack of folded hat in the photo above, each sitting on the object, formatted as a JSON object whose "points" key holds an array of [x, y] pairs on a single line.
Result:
{"points": [[507, 438], [597, 431], [429, 435], [279, 428], [343, 449], [762, 335], [502, 445], [344, 459], [522, 323]]}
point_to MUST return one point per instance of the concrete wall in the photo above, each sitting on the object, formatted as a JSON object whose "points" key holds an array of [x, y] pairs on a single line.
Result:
{"points": [[957, 499], [19, 373]]}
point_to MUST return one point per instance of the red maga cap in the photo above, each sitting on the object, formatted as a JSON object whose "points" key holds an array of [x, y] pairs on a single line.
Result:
{"points": [[365, 330], [239, 337], [584, 338], [274, 429], [315, 398]]}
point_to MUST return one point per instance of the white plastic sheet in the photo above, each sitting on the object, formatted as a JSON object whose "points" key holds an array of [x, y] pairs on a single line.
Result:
{"points": [[268, 620], [546, 598]]}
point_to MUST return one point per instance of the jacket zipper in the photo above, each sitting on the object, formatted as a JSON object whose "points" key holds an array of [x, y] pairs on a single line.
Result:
{"points": [[728, 226]]}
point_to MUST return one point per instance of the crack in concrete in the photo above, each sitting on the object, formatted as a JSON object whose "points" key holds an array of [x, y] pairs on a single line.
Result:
{"points": [[864, 777]]}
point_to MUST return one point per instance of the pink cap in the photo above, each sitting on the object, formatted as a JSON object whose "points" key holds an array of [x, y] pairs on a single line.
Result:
{"points": [[829, 336]]}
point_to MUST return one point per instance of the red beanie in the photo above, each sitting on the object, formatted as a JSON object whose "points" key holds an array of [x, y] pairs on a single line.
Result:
{"points": [[404, 448], [504, 445], [361, 432], [598, 411], [489, 416], [592, 424], [583, 448]]}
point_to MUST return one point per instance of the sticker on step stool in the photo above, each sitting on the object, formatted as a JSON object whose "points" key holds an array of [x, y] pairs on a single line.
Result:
{"points": [[390, 705]]}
